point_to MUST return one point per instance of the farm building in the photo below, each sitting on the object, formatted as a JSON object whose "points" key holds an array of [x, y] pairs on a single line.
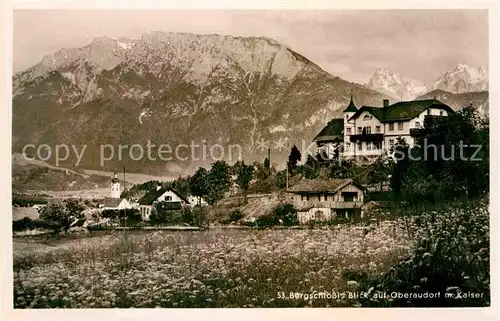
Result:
{"points": [[324, 199]]}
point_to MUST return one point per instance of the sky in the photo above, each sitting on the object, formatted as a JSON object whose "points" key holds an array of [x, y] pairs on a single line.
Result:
{"points": [[351, 44]]}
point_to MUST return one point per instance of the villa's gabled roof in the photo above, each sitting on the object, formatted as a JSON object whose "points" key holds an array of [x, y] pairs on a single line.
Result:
{"points": [[321, 185], [332, 131], [351, 107], [404, 110]]}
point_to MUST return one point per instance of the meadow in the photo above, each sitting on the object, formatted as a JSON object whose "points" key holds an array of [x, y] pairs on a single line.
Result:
{"points": [[212, 268]]}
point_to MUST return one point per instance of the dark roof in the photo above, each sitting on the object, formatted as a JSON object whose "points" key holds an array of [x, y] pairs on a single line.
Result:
{"points": [[115, 178], [321, 185], [351, 107], [403, 110], [332, 131], [152, 196], [112, 202]]}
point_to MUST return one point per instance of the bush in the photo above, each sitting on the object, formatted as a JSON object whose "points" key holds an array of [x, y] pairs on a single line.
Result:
{"points": [[22, 202], [451, 257], [265, 221], [169, 217], [199, 214], [236, 215], [287, 213], [28, 224]]}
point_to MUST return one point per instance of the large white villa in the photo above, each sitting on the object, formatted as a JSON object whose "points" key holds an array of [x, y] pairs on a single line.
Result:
{"points": [[365, 133]]}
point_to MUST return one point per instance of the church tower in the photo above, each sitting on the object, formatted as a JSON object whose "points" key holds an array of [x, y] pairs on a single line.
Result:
{"points": [[115, 186]]}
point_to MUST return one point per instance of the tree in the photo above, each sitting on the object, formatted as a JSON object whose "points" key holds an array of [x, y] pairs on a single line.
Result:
{"points": [[267, 166], [181, 185], [63, 213], [281, 180], [342, 169], [217, 182], [400, 169], [244, 176], [261, 171], [380, 170], [451, 159], [74, 207], [198, 184], [293, 159]]}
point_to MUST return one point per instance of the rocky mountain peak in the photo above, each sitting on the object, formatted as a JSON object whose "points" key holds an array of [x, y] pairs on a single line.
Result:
{"points": [[462, 79], [390, 82], [178, 88]]}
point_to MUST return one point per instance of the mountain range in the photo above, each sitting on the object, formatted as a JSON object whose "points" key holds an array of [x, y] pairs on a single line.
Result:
{"points": [[463, 79], [179, 88]]}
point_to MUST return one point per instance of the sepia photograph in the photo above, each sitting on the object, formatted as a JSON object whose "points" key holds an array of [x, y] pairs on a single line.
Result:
{"points": [[236, 158]]}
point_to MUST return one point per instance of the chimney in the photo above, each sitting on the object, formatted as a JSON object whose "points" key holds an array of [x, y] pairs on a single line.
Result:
{"points": [[386, 102], [158, 187]]}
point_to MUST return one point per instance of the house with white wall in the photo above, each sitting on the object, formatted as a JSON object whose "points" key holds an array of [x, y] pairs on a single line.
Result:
{"points": [[325, 199], [170, 198], [370, 131], [196, 200]]}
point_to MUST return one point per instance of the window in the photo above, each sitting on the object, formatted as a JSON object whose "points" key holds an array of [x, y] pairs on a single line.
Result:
{"points": [[348, 130], [307, 197], [368, 146], [347, 146], [400, 126], [360, 130], [319, 197], [367, 117], [367, 130], [360, 146], [325, 197], [391, 127], [377, 145], [168, 198], [346, 116], [349, 196], [440, 113], [417, 124], [391, 142], [377, 129], [301, 197]]}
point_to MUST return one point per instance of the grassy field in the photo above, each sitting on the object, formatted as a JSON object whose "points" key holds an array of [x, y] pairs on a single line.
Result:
{"points": [[215, 268]]}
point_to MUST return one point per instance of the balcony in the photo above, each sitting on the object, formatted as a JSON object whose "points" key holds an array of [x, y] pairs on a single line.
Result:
{"points": [[416, 132], [364, 137], [342, 205], [315, 203]]}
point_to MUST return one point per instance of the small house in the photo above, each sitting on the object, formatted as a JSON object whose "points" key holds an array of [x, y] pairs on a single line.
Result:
{"points": [[325, 199], [170, 199], [196, 200]]}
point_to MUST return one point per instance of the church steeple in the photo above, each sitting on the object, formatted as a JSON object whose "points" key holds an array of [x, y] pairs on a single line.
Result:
{"points": [[115, 186]]}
